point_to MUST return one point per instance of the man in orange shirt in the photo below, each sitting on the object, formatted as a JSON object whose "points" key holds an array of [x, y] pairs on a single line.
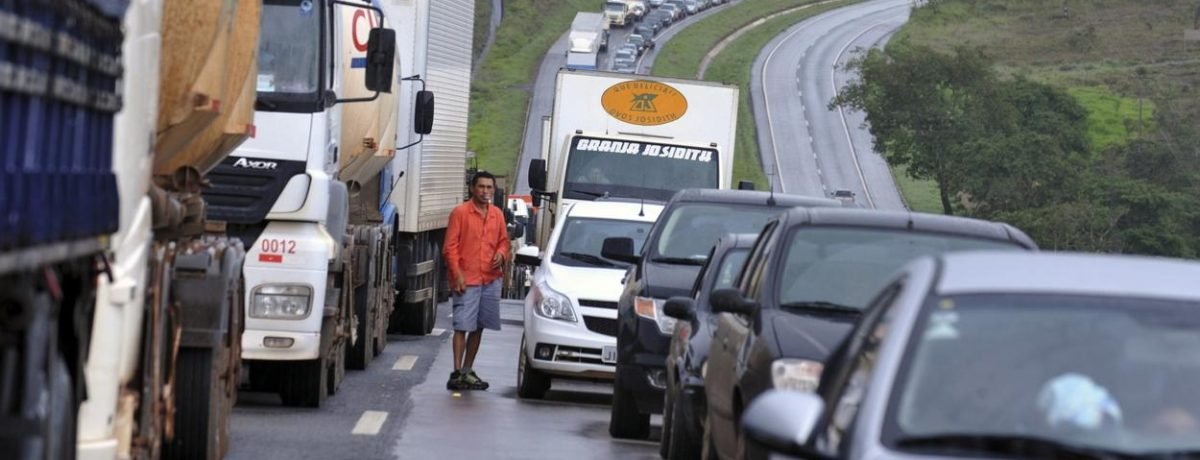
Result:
{"points": [[475, 251]]}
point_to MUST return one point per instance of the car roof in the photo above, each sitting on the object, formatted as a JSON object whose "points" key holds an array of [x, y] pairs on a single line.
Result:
{"points": [[902, 220], [726, 196], [1069, 273], [619, 210]]}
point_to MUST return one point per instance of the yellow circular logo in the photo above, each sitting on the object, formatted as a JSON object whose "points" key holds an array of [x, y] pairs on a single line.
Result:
{"points": [[644, 102]]}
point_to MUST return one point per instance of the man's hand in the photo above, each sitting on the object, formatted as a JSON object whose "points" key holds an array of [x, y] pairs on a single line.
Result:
{"points": [[497, 261], [459, 285]]}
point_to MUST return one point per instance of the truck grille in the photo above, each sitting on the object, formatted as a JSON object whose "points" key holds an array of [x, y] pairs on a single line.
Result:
{"points": [[606, 326], [244, 195]]}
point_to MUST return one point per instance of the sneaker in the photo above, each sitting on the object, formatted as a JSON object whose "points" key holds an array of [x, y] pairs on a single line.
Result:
{"points": [[455, 382], [470, 381]]}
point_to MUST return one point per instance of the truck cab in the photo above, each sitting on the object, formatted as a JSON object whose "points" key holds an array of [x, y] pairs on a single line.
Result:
{"points": [[617, 12]]}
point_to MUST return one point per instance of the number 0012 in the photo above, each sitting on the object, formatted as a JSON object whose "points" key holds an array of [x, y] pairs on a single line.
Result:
{"points": [[278, 246]]}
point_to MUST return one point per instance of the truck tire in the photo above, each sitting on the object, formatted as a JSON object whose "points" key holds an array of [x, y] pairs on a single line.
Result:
{"points": [[531, 383], [199, 406], [360, 353], [417, 318], [441, 280], [305, 384]]}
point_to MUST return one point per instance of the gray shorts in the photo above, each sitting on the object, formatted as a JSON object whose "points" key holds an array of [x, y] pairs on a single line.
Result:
{"points": [[477, 308]]}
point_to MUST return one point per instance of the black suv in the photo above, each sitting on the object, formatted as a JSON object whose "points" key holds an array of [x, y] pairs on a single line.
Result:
{"points": [[678, 245], [805, 284]]}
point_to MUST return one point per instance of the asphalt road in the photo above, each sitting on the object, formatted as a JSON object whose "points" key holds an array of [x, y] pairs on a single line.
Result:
{"points": [[809, 149], [399, 408], [542, 103]]}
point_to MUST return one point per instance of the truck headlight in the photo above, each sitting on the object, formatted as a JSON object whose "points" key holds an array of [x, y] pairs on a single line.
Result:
{"points": [[280, 301], [796, 374], [550, 304], [651, 308]]}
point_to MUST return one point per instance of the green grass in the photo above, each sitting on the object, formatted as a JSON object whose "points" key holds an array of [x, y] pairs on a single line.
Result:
{"points": [[1112, 119], [733, 66], [680, 57], [920, 195], [500, 90]]}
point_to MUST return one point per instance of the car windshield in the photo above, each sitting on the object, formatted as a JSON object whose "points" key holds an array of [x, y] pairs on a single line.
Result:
{"points": [[834, 264], [691, 229], [581, 240], [636, 169], [288, 47], [1108, 373]]}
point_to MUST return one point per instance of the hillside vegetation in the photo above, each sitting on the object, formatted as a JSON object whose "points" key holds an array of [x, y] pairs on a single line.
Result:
{"points": [[1075, 120]]}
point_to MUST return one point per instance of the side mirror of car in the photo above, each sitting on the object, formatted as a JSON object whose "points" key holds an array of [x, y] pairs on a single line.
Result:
{"points": [[619, 248], [529, 255], [681, 308], [730, 300], [782, 421]]}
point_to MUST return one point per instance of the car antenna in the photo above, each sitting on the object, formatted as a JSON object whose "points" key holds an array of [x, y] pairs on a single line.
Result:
{"points": [[771, 186]]}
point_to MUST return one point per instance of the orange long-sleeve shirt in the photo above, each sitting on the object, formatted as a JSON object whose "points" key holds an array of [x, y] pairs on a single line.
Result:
{"points": [[472, 240]]}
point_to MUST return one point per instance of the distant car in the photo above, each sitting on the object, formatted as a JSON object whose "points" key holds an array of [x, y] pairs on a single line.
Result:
{"points": [[646, 29], [808, 280], [632, 48], [684, 403], [642, 43], [667, 266], [676, 10], [656, 3], [1007, 355], [624, 57], [692, 6]]}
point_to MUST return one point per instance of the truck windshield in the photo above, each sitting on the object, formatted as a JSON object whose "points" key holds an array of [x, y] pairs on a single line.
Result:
{"points": [[289, 49], [614, 7], [632, 169]]}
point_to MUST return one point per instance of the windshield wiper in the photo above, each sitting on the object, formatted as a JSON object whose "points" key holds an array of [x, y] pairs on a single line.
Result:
{"points": [[821, 306], [589, 258], [584, 192], [1015, 445], [679, 261]]}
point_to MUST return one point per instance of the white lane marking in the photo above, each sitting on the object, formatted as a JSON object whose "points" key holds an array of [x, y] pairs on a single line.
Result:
{"points": [[842, 111], [819, 172], [438, 331], [405, 363], [370, 423], [810, 139]]}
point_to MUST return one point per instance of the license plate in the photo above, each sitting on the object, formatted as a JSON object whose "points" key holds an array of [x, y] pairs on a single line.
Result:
{"points": [[608, 355]]}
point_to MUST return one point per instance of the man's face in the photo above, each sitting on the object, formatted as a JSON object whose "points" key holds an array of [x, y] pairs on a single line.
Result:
{"points": [[482, 191]]}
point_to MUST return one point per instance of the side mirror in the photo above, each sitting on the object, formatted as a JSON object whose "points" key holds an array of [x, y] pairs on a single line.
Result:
{"points": [[745, 185], [516, 231], [423, 113], [619, 248], [381, 59], [783, 420], [537, 174], [730, 300], [529, 255], [681, 308], [536, 199]]}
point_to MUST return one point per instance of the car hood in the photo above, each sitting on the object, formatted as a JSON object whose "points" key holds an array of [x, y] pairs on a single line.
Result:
{"points": [[810, 337], [603, 284], [663, 281]]}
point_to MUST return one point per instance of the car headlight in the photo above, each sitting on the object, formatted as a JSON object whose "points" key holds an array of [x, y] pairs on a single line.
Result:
{"points": [[550, 304], [796, 374], [651, 308], [280, 301]]}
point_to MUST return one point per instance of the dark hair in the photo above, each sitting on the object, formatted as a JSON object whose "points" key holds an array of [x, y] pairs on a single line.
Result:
{"points": [[482, 175]]}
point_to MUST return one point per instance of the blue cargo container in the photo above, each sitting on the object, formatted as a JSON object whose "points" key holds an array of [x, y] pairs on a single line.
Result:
{"points": [[59, 71]]}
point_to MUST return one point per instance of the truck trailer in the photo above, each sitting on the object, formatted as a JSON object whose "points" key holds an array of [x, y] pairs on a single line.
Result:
{"points": [[117, 296], [618, 136], [587, 38], [342, 198]]}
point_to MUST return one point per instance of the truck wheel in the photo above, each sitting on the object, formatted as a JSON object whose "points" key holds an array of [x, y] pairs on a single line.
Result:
{"points": [[198, 403], [441, 280], [337, 371], [625, 420], [531, 383], [306, 384], [359, 354]]}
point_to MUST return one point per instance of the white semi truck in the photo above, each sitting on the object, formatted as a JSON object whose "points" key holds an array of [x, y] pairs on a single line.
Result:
{"points": [[612, 135], [587, 38], [342, 198], [618, 12], [120, 305]]}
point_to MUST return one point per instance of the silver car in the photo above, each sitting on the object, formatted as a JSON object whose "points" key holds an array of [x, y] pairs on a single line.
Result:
{"points": [[1006, 355]]}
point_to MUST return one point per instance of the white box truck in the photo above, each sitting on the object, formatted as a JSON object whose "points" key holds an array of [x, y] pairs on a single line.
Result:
{"points": [[618, 136], [586, 40]]}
